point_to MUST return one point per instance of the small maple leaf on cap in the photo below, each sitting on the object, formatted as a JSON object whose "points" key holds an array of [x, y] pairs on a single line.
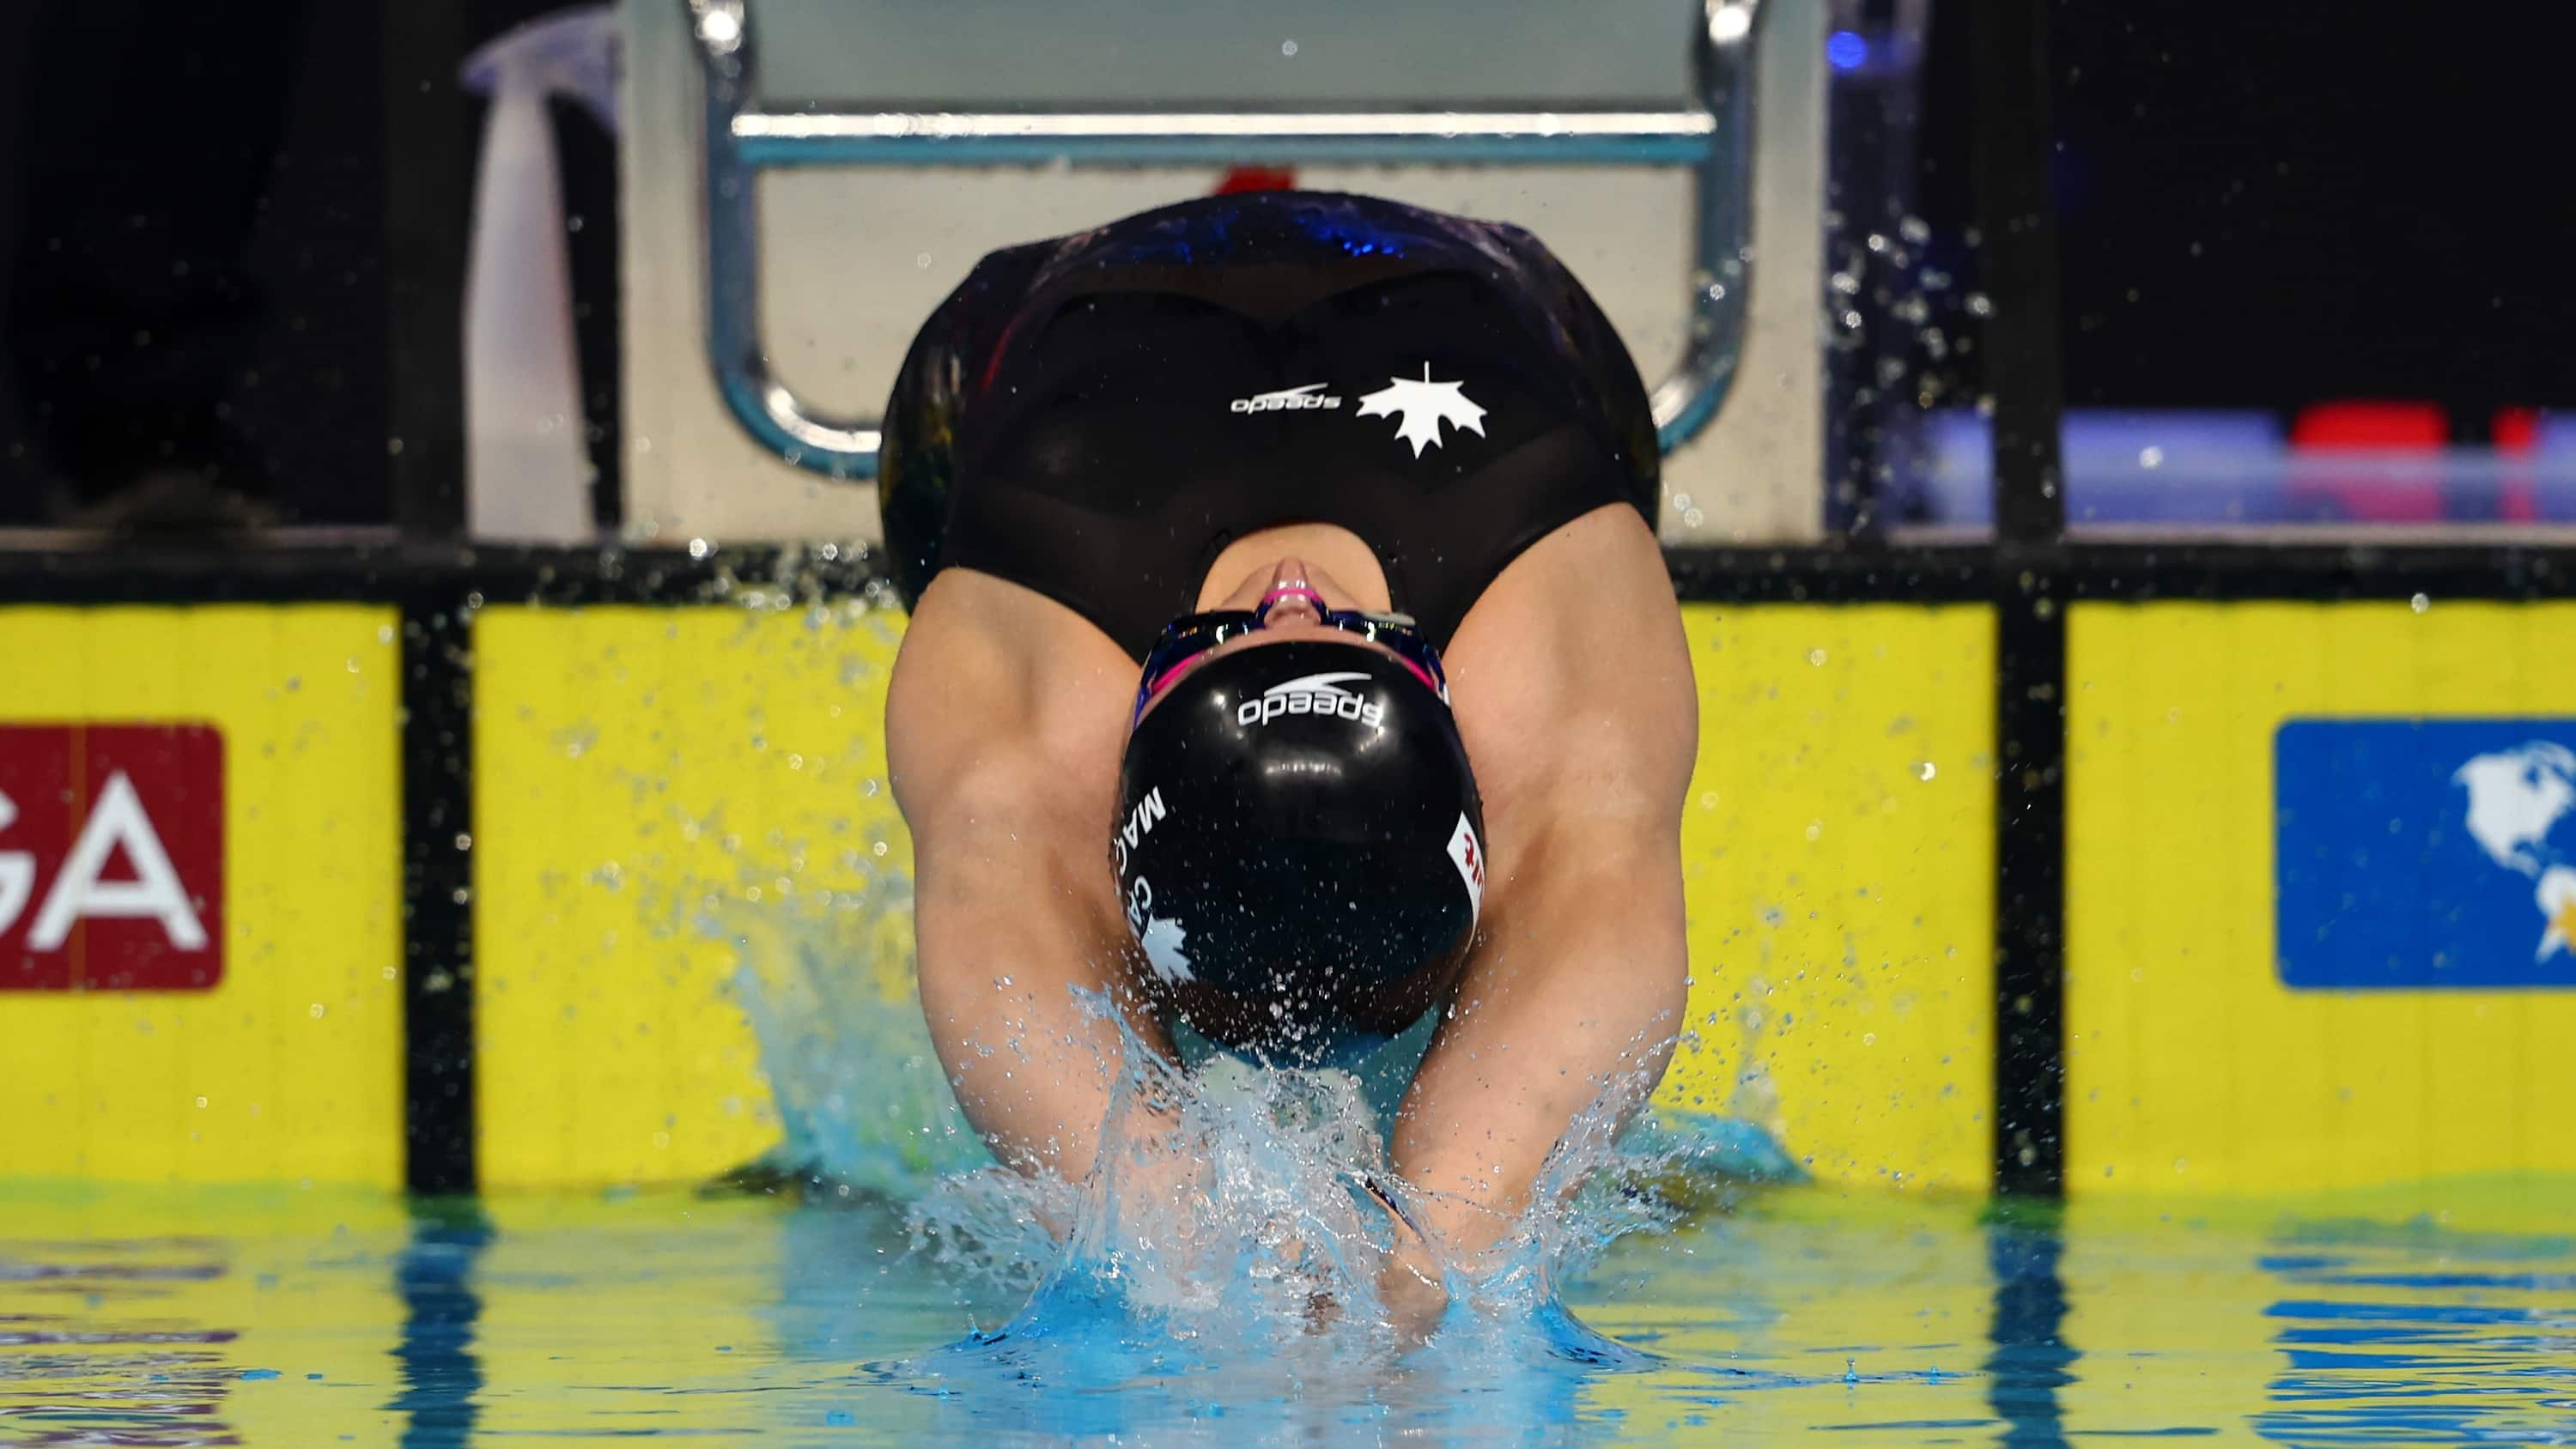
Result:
{"points": [[1421, 407]]}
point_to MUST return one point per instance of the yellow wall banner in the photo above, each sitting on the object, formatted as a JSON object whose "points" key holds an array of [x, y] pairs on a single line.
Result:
{"points": [[663, 797], [2321, 894], [1838, 852], [683, 833], [200, 875], [2310, 855]]}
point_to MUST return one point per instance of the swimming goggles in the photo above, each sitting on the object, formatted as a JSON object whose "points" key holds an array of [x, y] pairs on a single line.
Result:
{"points": [[1186, 638]]}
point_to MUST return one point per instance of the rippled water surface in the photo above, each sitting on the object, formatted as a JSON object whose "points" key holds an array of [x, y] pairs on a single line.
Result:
{"points": [[303, 1318]]}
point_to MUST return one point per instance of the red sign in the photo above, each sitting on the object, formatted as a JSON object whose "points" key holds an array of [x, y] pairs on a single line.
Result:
{"points": [[111, 857]]}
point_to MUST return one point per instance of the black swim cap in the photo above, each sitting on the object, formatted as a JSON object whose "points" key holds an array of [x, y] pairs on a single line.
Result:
{"points": [[1300, 848]]}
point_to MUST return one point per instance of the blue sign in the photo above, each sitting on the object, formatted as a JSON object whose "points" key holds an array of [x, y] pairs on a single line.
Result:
{"points": [[2416, 854]]}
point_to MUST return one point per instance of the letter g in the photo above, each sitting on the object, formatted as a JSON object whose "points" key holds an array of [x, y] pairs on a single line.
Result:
{"points": [[17, 871]]}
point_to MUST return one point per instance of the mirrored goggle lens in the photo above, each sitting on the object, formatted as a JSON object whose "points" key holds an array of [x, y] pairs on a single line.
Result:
{"points": [[1185, 639], [1400, 633]]}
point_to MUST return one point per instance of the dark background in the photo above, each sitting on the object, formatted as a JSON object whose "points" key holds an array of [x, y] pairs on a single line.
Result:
{"points": [[2278, 203], [231, 237], [232, 244]]}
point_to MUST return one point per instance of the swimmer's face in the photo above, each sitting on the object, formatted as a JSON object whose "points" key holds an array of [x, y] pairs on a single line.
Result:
{"points": [[1297, 595]]}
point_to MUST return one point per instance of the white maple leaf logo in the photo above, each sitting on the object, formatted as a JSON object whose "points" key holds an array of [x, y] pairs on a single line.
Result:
{"points": [[1421, 407], [1162, 942]]}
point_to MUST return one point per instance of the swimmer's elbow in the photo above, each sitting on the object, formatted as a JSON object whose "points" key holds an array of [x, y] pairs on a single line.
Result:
{"points": [[1017, 799]]}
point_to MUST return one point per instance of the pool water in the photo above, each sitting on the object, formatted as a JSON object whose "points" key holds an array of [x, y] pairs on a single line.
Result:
{"points": [[293, 1318]]}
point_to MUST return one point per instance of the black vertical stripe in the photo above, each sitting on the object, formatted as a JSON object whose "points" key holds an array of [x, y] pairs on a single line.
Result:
{"points": [[438, 910], [2010, 146], [2030, 887]]}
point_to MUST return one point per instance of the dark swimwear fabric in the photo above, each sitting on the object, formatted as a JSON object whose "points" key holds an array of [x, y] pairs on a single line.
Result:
{"points": [[1065, 419]]}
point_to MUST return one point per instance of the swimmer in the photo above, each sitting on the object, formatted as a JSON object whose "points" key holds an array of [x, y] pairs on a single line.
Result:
{"points": [[1291, 654]]}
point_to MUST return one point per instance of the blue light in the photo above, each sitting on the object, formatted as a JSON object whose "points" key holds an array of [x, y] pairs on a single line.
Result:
{"points": [[1846, 50]]}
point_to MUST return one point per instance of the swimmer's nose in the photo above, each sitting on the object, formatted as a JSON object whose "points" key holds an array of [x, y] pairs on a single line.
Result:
{"points": [[1291, 599]]}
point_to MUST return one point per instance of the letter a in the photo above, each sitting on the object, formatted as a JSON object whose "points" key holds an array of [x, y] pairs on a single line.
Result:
{"points": [[118, 819]]}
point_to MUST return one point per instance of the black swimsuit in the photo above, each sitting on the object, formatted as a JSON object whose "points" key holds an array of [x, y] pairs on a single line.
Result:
{"points": [[1098, 416]]}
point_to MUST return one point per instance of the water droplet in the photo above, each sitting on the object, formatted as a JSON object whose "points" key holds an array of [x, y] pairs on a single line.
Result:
{"points": [[2420, 603], [1924, 770]]}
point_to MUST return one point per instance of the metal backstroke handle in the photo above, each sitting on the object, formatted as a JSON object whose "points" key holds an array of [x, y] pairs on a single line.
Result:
{"points": [[1716, 143]]}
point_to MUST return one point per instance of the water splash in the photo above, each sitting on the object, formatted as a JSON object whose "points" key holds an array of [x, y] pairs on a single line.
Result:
{"points": [[1244, 1213], [861, 1103]]}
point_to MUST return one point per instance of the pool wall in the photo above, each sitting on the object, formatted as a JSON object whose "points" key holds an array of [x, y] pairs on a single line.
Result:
{"points": [[626, 794], [276, 1052], [2223, 1034]]}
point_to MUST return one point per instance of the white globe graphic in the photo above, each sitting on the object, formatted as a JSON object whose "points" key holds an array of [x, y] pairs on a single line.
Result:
{"points": [[2518, 800]]}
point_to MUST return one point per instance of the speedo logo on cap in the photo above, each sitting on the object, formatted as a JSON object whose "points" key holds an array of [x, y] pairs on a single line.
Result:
{"points": [[1312, 694], [1290, 400]]}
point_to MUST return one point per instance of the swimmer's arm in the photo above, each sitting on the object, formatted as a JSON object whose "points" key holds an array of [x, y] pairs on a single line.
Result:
{"points": [[1583, 725], [1007, 933], [1571, 1008], [996, 761]]}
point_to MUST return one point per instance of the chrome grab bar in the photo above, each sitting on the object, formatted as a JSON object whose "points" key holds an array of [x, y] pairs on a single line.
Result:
{"points": [[742, 139]]}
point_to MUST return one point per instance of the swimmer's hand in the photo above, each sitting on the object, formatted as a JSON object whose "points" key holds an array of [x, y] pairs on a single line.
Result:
{"points": [[1409, 1286], [1414, 1303], [1322, 1311], [1409, 1283]]}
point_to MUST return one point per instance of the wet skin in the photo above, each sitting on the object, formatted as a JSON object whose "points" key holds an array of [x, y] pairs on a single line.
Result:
{"points": [[1572, 689]]}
